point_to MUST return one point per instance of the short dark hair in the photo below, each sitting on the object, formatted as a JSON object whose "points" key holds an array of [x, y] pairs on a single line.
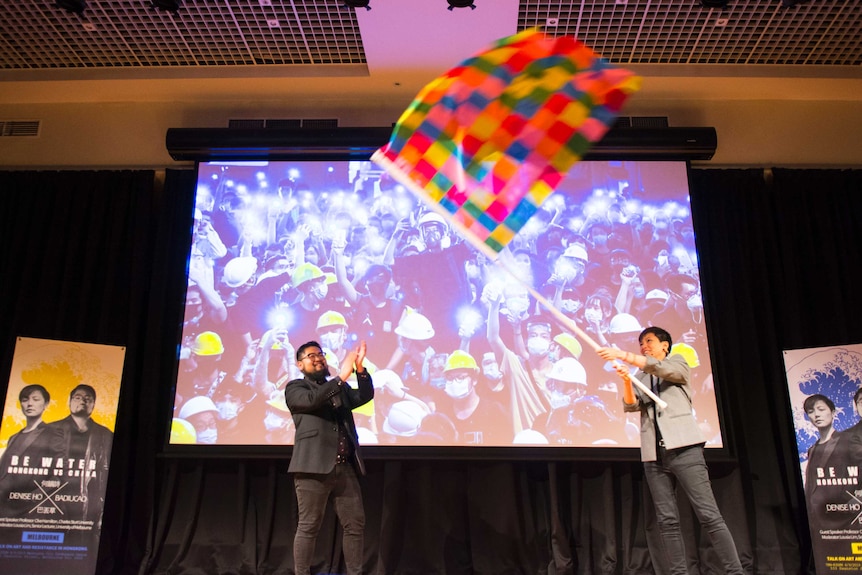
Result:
{"points": [[83, 387], [661, 335], [857, 395], [305, 346], [809, 402], [28, 389]]}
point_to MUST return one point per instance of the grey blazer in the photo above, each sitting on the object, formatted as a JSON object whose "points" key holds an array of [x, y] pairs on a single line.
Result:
{"points": [[676, 422], [316, 419]]}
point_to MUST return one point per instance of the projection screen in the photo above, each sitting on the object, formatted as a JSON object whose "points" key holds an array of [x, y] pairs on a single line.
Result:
{"points": [[286, 252]]}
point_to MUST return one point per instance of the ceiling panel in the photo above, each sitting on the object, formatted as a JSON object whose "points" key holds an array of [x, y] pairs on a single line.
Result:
{"points": [[127, 35]]}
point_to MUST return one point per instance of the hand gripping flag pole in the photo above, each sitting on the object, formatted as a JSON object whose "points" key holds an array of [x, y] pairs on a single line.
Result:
{"points": [[487, 142]]}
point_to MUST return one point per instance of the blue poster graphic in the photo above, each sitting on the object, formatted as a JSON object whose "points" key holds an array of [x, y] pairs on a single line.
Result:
{"points": [[825, 387]]}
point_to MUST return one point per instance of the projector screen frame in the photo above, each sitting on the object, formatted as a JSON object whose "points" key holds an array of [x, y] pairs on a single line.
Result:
{"points": [[204, 145]]}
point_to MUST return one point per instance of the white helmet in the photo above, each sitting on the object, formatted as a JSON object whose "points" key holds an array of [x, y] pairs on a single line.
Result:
{"points": [[388, 379], [197, 404], [656, 294], [568, 370], [239, 270], [576, 251], [366, 436], [529, 437], [625, 323], [404, 418], [414, 325]]}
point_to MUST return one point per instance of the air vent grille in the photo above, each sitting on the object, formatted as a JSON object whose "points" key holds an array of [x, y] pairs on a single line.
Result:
{"points": [[19, 128]]}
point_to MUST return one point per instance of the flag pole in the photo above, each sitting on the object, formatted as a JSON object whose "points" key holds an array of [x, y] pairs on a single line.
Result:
{"points": [[571, 325], [396, 172]]}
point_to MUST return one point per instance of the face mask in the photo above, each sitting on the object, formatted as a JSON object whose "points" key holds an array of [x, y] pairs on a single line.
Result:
{"points": [[331, 340], [695, 306], [662, 261], [694, 302], [593, 315], [227, 409], [320, 291], [600, 239], [208, 436], [570, 305], [538, 346], [639, 291], [272, 422], [559, 400], [458, 388]]}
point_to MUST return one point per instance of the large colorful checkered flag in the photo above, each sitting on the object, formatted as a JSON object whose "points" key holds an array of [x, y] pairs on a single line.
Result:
{"points": [[488, 141]]}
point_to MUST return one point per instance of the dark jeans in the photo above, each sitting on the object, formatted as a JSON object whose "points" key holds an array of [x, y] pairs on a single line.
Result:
{"points": [[686, 465], [312, 494]]}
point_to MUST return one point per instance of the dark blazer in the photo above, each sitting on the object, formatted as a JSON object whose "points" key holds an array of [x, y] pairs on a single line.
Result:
{"points": [[316, 419]]}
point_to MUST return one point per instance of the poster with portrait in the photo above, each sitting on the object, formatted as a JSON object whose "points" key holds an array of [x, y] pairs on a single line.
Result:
{"points": [[56, 436], [825, 386]]}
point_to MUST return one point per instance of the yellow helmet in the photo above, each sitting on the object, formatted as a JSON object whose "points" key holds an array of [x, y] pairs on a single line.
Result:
{"points": [[330, 318], [688, 352], [307, 272], [460, 359], [182, 431], [208, 343], [570, 343]]}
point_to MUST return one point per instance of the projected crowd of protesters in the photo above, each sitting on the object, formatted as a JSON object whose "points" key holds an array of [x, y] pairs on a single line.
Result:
{"points": [[466, 355]]}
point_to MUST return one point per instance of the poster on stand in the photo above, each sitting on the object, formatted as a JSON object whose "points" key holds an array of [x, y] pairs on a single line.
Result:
{"points": [[825, 387], [56, 436]]}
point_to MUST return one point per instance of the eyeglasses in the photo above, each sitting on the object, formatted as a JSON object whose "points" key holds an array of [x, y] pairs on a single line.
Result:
{"points": [[84, 398], [313, 356]]}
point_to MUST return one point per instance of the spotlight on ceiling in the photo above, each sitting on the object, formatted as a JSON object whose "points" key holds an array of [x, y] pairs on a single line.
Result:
{"points": [[74, 6], [714, 3], [169, 5], [357, 4], [461, 4]]}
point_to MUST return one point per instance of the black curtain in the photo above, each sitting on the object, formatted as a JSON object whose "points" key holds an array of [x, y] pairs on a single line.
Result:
{"points": [[92, 256]]}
